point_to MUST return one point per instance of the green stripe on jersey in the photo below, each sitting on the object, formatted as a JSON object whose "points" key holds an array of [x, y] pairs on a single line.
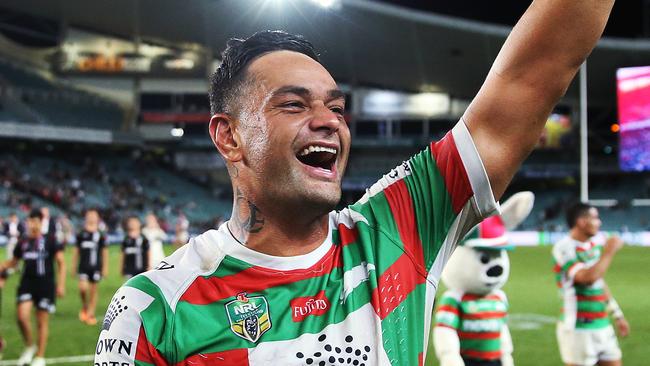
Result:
{"points": [[432, 204], [400, 326], [157, 318]]}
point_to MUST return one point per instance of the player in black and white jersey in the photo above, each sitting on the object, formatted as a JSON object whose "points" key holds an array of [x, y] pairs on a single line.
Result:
{"points": [[135, 249], [13, 229], [38, 286], [91, 262]]}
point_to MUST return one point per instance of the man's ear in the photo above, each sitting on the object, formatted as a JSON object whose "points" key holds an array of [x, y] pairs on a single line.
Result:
{"points": [[225, 137]]}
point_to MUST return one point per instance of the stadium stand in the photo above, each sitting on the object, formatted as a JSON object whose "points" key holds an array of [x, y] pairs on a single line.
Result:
{"points": [[48, 101]]}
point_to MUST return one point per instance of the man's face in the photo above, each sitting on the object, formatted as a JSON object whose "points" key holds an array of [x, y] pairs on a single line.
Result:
{"points": [[92, 219], [590, 222], [34, 226], [133, 227], [45, 212], [295, 139]]}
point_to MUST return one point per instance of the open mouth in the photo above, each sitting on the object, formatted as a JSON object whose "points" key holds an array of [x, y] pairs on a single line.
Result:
{"points": [[316, 156]]}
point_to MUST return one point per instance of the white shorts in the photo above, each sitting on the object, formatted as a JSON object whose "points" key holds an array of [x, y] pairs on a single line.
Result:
{"points": [[585, 347]]}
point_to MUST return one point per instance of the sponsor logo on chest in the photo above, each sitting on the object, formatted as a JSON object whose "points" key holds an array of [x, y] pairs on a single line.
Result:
{"points": [[249, 316], [491, 325], [302, 307]]}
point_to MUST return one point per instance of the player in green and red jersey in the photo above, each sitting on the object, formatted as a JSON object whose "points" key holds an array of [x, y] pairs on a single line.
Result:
{"points": [[585, 334], [288, 281]]}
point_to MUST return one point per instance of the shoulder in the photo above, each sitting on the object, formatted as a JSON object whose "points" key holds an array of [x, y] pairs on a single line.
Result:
{"points": [[171, 278], [565, 246]]}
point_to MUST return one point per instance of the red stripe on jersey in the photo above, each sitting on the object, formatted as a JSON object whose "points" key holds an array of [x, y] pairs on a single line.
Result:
{"points": [[401, 205], [420, 359], [146, 352], [445, 325], [479, 335], [206, 290], [448, 308], [592, 298], [237, 357], [394, 285], [451, 167], [586, 249], [485, 315], [472, 297], [482, 355], [591, 314], [347, 235]]}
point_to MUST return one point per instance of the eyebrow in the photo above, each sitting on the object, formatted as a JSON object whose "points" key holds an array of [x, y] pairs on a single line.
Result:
{"points": [[305, 93]]}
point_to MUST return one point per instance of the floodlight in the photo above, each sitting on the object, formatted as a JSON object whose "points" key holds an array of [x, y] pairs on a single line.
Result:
{"points": [[177, 132]]}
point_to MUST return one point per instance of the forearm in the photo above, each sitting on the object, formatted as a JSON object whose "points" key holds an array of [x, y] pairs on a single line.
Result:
{"points": [[61, 274], [11, 263], [554, 35], [595, 272], [105, 261], [532, 71]]}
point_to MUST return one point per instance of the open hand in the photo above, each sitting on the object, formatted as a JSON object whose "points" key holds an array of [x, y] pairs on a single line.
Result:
{"points": [[622, 326]]}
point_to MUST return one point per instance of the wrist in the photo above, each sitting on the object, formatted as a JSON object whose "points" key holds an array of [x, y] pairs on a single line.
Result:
{"points": [[614, 309]]}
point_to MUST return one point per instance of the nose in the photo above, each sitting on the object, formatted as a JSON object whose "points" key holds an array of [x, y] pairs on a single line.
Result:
{"points": [[325, 119], [495, 271]]}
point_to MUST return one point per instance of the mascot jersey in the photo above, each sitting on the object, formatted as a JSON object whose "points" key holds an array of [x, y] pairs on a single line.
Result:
{"points": [[583, 306], [478, 319], [364, 297]]}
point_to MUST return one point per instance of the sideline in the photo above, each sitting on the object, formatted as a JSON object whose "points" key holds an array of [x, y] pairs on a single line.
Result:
{"points": [[51, 361]]}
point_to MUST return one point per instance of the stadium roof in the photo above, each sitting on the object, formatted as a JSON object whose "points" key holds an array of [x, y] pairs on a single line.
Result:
{"points": [[361, 42]]}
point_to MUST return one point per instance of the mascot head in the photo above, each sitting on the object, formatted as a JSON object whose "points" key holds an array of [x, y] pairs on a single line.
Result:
{"points": [[480, 264]]}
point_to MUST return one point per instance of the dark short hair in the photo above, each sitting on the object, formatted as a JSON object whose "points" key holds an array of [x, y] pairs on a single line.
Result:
{"points": [[239, 53], [90, 209], [35, 213], [576, 211]]}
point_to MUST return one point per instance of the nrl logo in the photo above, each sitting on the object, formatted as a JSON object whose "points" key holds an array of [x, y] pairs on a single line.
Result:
{"points": [[249, 316]]}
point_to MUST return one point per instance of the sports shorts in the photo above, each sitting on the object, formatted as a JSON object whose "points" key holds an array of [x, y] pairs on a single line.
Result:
{"points": [[587, 346], [42, 292]]}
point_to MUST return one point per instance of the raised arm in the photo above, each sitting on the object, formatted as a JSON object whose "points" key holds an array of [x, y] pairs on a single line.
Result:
{"points": [[531, 73]]}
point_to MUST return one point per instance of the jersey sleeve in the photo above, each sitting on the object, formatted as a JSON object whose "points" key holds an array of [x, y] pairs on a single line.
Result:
{"points": [[447, 313], [102, 241], [56, 245], [145, 243], [566, 263], [125, 337], [78, 240], [18, 251], [431, 200]]}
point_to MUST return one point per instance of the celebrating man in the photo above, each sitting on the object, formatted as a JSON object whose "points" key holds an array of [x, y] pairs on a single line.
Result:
{"points": [[287, 281]]}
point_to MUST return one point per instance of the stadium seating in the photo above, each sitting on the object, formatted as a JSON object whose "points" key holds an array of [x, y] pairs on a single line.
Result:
{"points": [[55, 103]]}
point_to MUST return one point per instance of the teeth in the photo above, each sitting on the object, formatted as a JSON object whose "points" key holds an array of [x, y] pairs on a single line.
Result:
{"points": [[314, 148]]}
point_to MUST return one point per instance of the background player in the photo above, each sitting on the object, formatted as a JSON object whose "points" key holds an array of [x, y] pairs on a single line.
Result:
{"points": [[135, 257], [155, 236], [584, 333], [91, 262], [13, 229], [38, 286]]}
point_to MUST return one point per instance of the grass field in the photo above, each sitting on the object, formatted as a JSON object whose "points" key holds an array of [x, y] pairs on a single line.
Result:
{"points": [[531, 290]]}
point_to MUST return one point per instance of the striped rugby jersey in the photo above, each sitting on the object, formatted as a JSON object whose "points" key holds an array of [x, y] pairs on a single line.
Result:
{"points": [[583, 306], [478, 320], [363, 297]]}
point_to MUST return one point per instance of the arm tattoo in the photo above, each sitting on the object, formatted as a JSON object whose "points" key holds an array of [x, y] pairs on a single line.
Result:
{"points": [[246, 218]]}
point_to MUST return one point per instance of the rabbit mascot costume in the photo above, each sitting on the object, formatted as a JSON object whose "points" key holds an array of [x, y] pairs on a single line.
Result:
{"points": [[470, 327]]}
